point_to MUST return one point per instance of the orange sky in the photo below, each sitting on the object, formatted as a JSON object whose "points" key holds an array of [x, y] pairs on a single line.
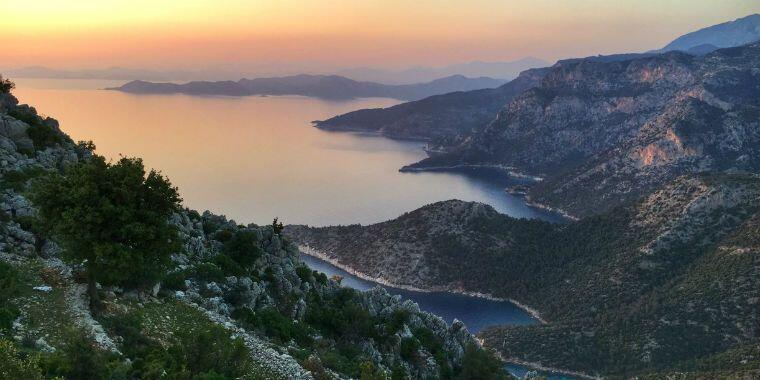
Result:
{"points": [[195, 34]]}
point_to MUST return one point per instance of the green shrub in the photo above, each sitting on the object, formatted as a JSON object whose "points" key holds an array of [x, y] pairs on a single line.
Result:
{"points": [[16, 180], [175, 280], [6, 86], [79, 359], [243, 247], [14, 365], [10, 286], [478, 364], [409, 348], [275, 325], [44, 136], [208, 272], [304, 273]]}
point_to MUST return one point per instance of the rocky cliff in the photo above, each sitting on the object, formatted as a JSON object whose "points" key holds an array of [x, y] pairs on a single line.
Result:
{"points": [[604, 133]]}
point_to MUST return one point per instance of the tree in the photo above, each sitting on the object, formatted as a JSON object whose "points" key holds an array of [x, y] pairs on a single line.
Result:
{"points": [[113, 218], [6, 85]]}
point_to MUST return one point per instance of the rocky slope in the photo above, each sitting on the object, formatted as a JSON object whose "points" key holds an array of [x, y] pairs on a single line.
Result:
{"points": [[604, 133], [320, 86], [442, 119], [669, 283], [279, 318]]}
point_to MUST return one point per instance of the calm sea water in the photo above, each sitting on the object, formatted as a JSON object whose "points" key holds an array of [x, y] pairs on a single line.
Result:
{"points": [[256, 158]]}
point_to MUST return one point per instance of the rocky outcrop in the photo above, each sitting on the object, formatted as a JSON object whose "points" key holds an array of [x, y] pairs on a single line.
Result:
{"points": [[603, 134]]}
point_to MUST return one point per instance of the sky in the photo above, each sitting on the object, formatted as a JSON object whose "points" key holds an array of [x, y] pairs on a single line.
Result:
{"points": [[235, 34]]}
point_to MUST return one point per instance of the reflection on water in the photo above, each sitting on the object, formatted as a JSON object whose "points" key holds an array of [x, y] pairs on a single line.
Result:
{"points": [[254, 158]]}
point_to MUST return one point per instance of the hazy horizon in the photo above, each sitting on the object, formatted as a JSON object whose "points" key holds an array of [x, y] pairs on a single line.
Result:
{"points": [[287, 36]]}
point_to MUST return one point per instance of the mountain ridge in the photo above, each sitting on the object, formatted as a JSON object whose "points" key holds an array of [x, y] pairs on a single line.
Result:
{"points": [[321, 86]]}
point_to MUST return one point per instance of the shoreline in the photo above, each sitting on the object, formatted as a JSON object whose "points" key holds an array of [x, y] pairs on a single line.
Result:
{"points": [[555, 210], [360, 131], [539, 367], [508, 169], [309, 251]]}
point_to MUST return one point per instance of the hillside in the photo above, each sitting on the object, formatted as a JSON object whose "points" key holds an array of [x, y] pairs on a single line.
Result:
{"points": [[216, 300], [605, 133], [669, 283], [319, 86], [442, 119]]}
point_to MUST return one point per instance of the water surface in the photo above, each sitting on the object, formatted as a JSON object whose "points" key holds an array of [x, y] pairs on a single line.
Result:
{"points": [[255, 158]]}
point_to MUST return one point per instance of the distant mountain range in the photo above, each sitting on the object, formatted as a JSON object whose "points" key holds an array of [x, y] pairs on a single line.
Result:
{"points": [[320, 86], [728, 34], [501, 70]]}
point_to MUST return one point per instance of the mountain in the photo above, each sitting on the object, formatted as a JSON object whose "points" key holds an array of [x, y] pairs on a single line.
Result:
{"points": [[666, 284], [501, 70], [739, 32], [602, 134], [232, 301], [320, 86], [441, 119]]}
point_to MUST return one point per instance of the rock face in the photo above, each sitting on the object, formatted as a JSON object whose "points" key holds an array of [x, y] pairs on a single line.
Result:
{"points": [[605, 133], [320, 86], [442, 119], [674, 275]]}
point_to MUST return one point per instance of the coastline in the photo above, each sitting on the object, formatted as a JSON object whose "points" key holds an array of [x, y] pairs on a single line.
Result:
{"points": [[540, 367], [508, 169], [556, 210], [325, 128], [309, 251]]}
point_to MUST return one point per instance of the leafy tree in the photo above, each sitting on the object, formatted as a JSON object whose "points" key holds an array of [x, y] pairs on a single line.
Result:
{"points": [[113, 218], [6, 85]]}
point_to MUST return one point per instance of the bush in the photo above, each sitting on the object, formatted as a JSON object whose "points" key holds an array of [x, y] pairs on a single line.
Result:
{"points": [[6, 86], [409, 348], [175, 280], [10, 286], [478, 364], [275, 325], [208, 272], [43, 135], [304, 273], [79, 359], [243, 247], [14, 365]]}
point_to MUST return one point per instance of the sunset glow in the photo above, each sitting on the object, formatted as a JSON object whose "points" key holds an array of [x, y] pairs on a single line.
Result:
{"points": [[200, 34]]}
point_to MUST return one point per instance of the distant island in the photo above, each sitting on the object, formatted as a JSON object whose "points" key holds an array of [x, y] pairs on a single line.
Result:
{"points": [[319, 86]]}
